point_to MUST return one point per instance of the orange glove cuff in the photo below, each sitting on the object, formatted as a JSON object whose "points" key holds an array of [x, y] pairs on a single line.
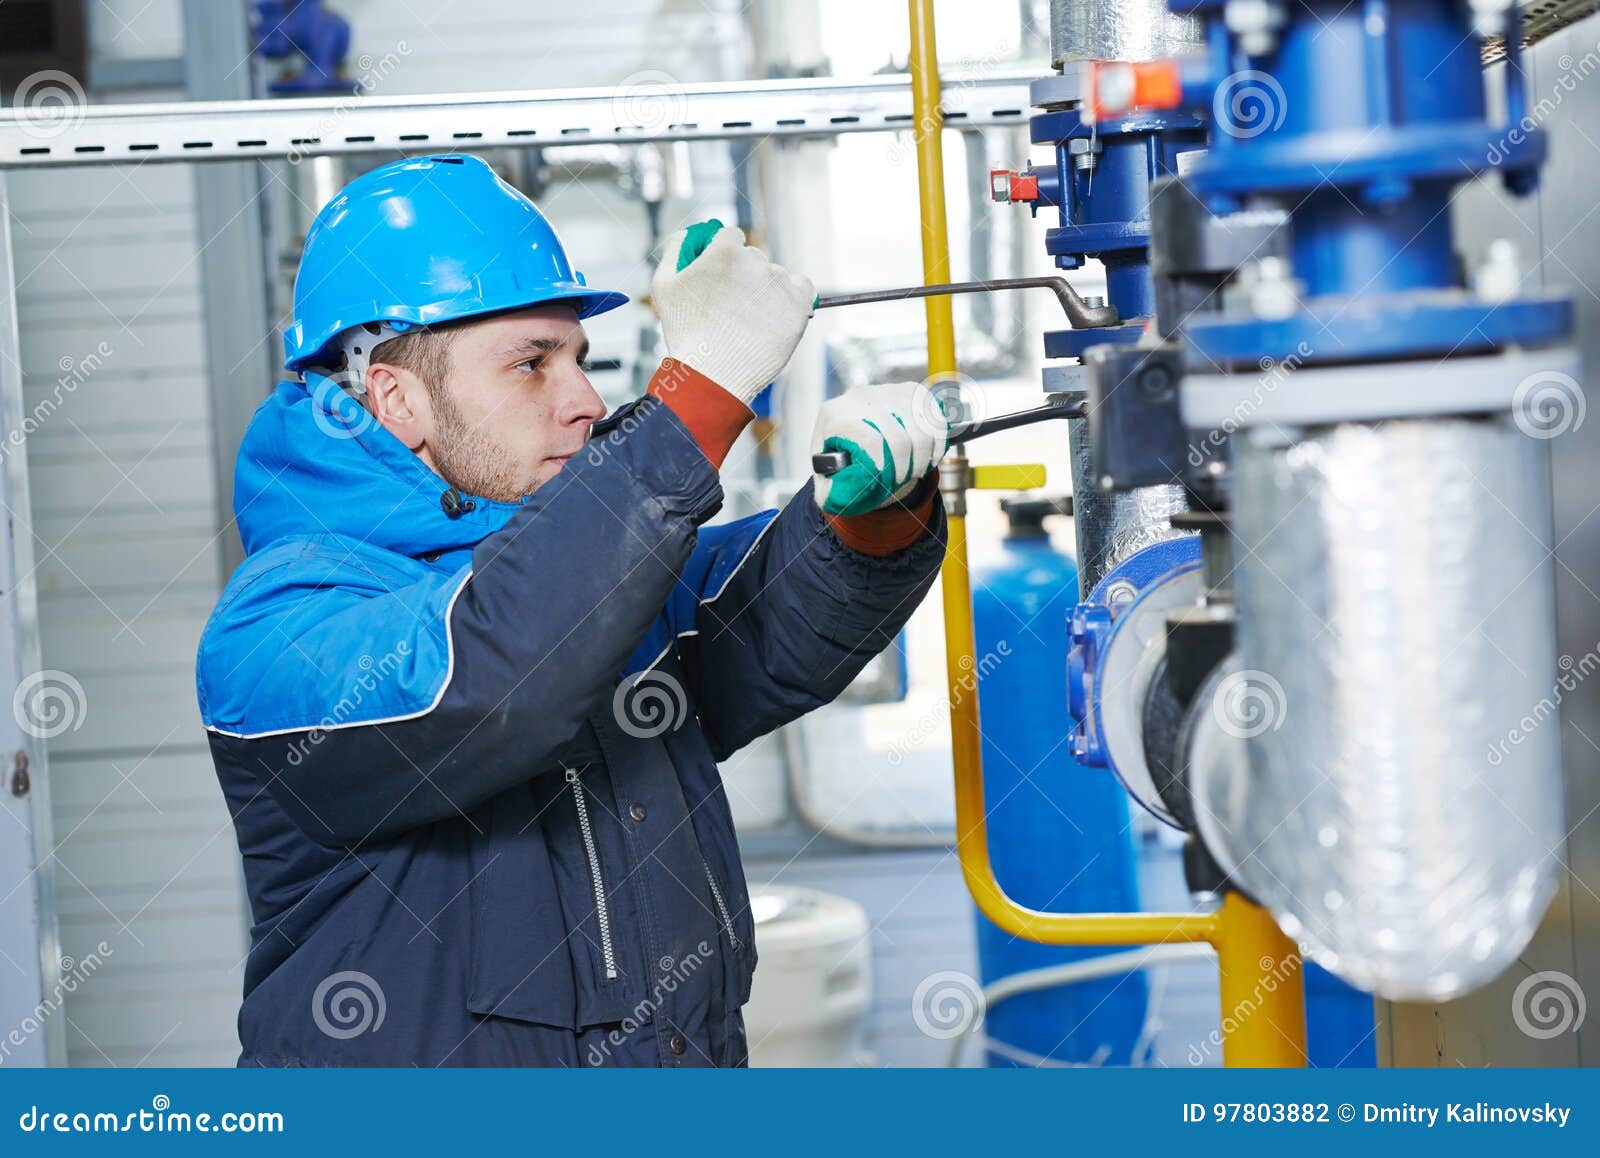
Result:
{"points": [[713, 416], [889, 529]]}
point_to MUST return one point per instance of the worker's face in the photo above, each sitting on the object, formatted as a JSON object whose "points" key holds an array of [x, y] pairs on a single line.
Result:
{"points": [[516, 406]]}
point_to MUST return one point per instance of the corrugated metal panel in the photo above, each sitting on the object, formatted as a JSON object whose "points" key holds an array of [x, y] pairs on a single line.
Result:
{"points": [[120, 463]]}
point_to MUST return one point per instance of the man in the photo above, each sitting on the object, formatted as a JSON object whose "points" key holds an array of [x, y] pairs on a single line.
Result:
{"points": [[467, 692]]}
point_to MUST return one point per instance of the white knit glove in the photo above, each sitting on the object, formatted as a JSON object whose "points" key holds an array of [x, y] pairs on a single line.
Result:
{"points": [[726, 310], [894, 435]]}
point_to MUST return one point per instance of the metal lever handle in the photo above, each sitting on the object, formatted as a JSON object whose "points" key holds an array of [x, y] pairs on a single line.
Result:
{"points": [[1080, 313], [1072, 405]]}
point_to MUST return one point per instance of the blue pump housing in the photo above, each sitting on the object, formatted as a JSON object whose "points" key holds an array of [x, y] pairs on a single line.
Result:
{"points": [[1103, 209], [1058, 832]]}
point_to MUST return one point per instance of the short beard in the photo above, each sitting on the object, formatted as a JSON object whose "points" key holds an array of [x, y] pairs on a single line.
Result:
{"points": [[467, 458]]}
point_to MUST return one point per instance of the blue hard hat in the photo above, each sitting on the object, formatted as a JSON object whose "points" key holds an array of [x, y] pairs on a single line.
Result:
{"points": [[425, 241]]}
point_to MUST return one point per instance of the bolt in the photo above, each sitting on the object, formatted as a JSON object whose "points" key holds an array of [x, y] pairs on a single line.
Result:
{"points": [[1120, 592], [1499, 277], [1255, 23], [1273, 292], [20, 781], [1083, 150], [1094, 301]]}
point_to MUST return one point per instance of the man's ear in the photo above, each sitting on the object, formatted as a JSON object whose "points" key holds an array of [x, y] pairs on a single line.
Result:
{"points": [[398, 399]]}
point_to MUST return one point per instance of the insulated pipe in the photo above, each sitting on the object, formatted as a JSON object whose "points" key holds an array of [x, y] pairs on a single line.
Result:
{"points": [[1132, 30], [1109, 526], [1266, 1013]]}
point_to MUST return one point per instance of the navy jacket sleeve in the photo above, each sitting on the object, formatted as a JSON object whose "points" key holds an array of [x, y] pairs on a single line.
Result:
{"points": [[797, 620], [533, 638]]}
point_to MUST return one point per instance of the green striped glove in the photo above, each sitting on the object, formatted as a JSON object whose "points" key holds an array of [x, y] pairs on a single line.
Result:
{"points": [[894, 435]]}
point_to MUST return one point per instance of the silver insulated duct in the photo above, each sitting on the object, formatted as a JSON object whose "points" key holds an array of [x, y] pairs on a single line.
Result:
{"points": [[1131, 30], [1112, 525], [1390, 802]]}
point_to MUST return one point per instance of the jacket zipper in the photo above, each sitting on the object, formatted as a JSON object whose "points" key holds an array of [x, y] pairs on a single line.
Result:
{"points": [[722, 905], [602, 915]]}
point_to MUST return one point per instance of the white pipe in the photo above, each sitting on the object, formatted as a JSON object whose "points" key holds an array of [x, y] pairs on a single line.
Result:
{"points": [[1070, 973]]}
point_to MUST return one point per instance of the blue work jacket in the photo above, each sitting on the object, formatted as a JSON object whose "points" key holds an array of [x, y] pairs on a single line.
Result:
{"points": [[470, 748]]}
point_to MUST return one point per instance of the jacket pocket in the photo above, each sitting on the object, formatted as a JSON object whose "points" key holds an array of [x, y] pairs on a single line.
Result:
{"points": [[531, 956], [741, 949], [721, 901]]}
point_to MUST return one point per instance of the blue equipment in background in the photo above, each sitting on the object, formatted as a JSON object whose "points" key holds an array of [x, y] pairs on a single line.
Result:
{"points": [[304, 30], [1058, 832], [1373, 246], [1099, 184]]}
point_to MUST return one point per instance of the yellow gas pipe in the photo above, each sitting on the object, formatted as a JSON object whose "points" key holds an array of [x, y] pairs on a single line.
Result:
{"points": [[1263, 995]]}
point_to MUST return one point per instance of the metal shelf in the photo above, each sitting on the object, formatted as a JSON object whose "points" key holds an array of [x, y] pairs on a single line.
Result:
{"points": [[649, 111]]}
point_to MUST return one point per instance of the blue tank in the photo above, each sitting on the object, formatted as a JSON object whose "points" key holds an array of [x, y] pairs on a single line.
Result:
{"points": [[1340, 1032], [1058, 832]]}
